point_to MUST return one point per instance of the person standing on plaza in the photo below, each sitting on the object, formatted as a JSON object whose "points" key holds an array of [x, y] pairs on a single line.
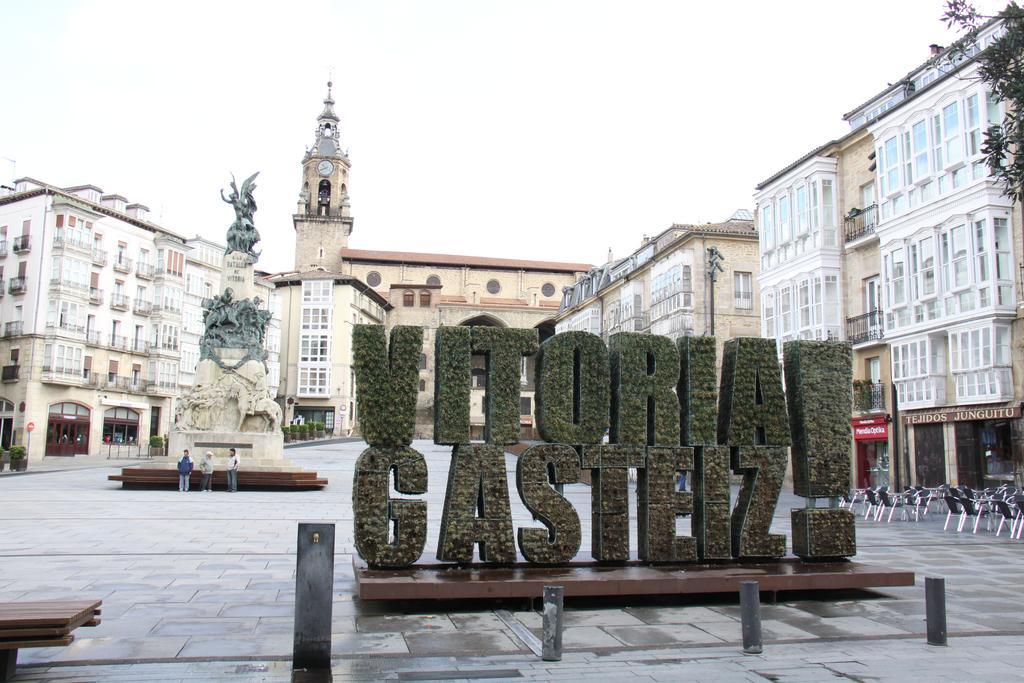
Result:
{"points": [[233, 472], [185, 466], [207, 468]]}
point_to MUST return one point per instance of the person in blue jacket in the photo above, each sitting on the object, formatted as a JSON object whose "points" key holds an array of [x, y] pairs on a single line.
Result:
{"points": [[185, 466]]}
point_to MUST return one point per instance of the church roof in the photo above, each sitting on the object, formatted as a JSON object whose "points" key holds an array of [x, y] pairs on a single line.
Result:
{"points": [[419, 258]]}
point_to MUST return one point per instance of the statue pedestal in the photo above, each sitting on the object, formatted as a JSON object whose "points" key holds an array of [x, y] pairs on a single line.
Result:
{"points": [[256, 451]]}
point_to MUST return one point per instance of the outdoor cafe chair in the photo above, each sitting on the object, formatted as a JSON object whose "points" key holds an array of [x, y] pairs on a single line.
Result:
{"points": [[873, 504], [892, 501], [1005, 512], [955, 508]]}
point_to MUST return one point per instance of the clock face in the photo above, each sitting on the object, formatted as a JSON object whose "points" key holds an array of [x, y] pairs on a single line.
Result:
{"points": [[325, 168]]}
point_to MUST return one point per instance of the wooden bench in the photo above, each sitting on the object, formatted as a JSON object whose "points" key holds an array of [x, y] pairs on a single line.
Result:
{"points": [[47, 623], [142, 477]]}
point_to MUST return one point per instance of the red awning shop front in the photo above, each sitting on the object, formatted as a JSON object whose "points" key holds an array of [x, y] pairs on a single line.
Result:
{"points": [[870, 428]]}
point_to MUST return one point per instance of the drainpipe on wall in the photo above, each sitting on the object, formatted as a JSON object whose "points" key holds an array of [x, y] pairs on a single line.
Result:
{"points": [[39, 292]]}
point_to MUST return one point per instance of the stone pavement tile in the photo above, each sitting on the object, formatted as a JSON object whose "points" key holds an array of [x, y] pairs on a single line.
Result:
{"points": [[210, 584], [368, 644], [134, 627], [404, 624], [839, 627], [677, 615], [589, 617], [257, 609], [771, 629], [93, 649], [233, 596], [660, 635], [477, 621], [224, 647], [125, 586], [459, 643], [205, 627], [172, 610], [263, 584], [846, 608], [583, 637]]}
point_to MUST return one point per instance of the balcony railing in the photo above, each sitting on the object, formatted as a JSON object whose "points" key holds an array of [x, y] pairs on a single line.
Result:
{"points": [[19, 285], [99, 257], [119, 301], [161, 387], [123, 264], [66, 326], [142, 307], [61, 372], [140, 346], [92, 337], [2, 290], [165, 345], [117, 341], [22, 244], [62, 240], [13, 329], [3, 248], [865, 327], [123, 384], [860, 222], [64, 284], [10, 373], [95, 295], [869, 397], [145, 270]]}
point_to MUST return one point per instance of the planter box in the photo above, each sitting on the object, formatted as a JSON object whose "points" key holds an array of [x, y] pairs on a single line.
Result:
{"points": [[19, 465]]}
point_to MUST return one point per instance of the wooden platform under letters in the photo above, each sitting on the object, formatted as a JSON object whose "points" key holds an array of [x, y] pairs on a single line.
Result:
{"points": [[145, 477], [450, 582]]}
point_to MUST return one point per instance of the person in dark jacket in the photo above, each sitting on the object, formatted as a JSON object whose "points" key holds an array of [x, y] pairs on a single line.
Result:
{"points": [[185, 466]]}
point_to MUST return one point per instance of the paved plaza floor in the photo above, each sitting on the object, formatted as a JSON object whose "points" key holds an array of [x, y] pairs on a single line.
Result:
{"points": [[200, 586]]}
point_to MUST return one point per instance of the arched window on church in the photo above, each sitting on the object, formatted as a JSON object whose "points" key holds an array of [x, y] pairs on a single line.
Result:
{"points": [[425, 298], [408, 298], [323, 198]]}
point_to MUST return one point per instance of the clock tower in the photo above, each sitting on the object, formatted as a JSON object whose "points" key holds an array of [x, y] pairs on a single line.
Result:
{"points": [[322, 220]]}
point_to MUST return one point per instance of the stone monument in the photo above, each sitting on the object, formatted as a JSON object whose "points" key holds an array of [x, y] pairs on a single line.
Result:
{"points": [[230, 406]]}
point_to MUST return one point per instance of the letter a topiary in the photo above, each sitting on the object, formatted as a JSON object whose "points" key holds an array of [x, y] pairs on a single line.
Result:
{"points": [[477, 484], [504, 349], [572, 389], [387, 380], [452, 379], [644, 373]]}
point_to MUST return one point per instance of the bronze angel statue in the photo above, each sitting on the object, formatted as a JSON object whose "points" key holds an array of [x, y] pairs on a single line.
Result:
{"points": [[242, 235]]}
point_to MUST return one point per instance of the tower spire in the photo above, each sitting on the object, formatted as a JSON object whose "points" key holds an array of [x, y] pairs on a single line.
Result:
{"points": [[328, 134]]}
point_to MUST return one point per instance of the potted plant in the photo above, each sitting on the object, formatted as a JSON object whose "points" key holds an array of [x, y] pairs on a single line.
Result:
{"points": [[286, 431], [304, 431], [19, 461], [4, 459], [156, 446], [320, 430]]}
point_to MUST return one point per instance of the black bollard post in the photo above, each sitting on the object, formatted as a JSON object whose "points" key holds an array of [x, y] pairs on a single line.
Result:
{"points": [[552, 651], [314, 593], [750, 615], [935, 609]]}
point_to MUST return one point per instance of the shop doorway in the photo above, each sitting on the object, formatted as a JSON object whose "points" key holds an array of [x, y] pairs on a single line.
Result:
{"points": [[67, 429], [872, 464], [929, 455], [6, 424], [120, 426], [325, 415], [983, 456], [154, 421]]}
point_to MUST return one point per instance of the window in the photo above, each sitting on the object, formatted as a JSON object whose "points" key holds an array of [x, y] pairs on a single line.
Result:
{"points": [[493, 287], [979, 360], [767, 227], [423, 361], [424, 298], [897, 273], [889, 170], [951, 128], [743, 289], [408, 298], [313, 348], [784, 227], [373, 278], [960, 268], [919, 140], [828, 214], [785, 310], [804, 304], [317, 291], [768, 305], [548, 289], [972, 119], [1003, 262], [435, 281], [314, 381], [926, 270], [316, 318], [802, 218]]}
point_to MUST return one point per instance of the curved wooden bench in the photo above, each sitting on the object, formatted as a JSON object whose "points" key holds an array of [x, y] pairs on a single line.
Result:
{"points": [[142, 477], [47, 623]]}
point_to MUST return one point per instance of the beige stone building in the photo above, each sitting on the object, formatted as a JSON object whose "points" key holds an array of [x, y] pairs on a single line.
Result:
{"points": [[391, 288], [665, 287]]}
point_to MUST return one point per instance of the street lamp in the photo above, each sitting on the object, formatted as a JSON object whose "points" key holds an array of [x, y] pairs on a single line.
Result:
{"points": [[715, 259]]}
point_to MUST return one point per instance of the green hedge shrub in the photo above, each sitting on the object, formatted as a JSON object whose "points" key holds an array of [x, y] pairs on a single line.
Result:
{"points": [[17, 452], [752, 406], [504, 348], [569, 413], [452, 382], [387, 381], [156, 441], [824, 533], [477, 483], [561, 540], [697, 391], [644, 366], [818, 379], [375, 511]]}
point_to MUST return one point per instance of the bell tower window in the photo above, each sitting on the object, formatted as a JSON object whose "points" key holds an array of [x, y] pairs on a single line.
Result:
{"points": [[323, 200]]}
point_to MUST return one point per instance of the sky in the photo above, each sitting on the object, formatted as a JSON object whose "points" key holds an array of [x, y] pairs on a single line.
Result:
{"points": [[549, 130]]}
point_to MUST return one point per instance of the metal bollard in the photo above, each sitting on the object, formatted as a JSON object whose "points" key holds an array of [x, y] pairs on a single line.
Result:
{"points": [[935, 609], [552, 651], [750, 614], [314, 593]]}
